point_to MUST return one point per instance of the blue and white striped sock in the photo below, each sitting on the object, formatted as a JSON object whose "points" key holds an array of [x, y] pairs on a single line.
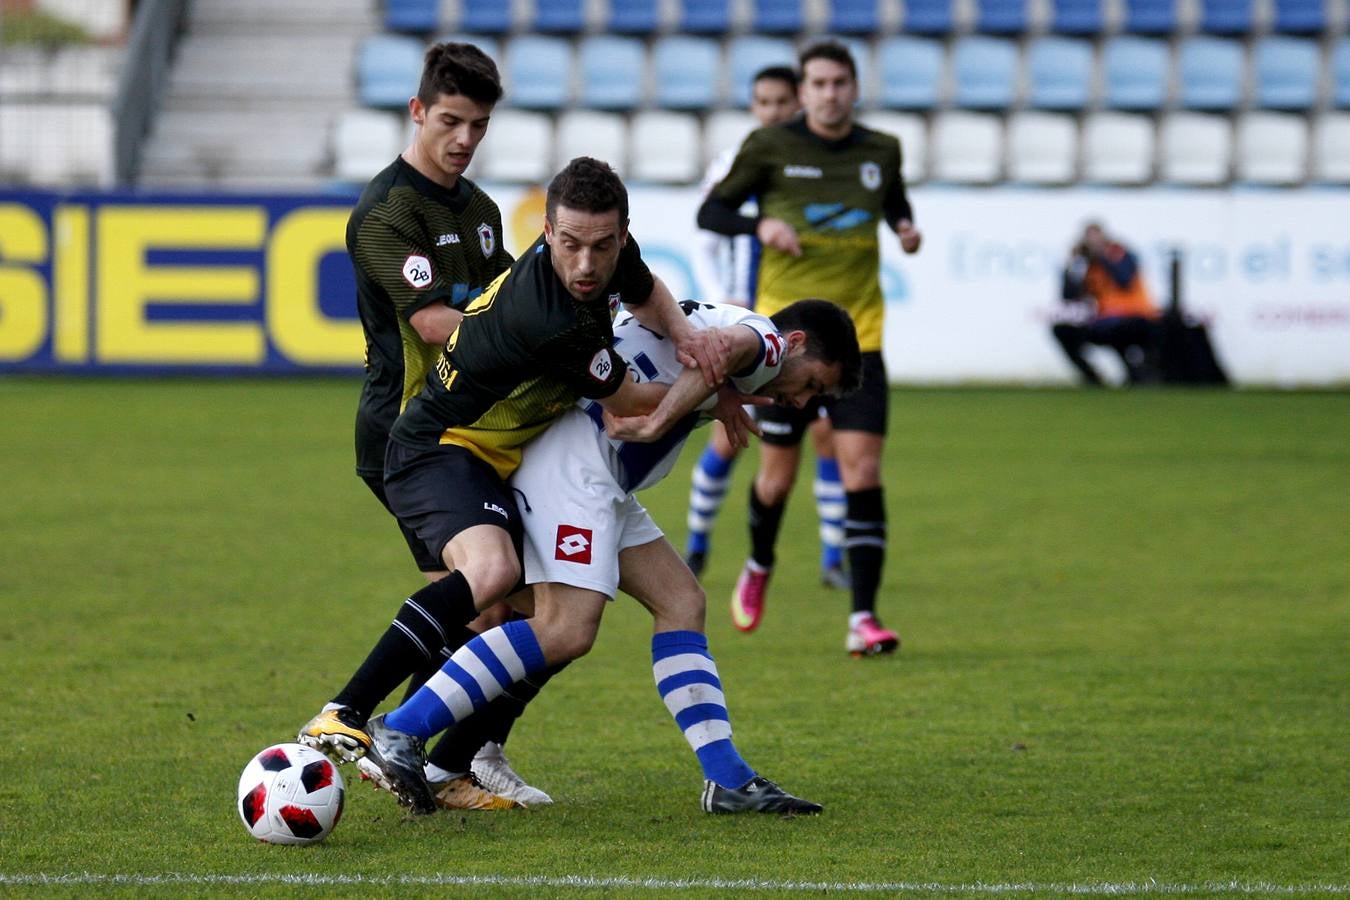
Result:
{"points": [[471, 678], [830, 507], [707, 490], [686, 678]]}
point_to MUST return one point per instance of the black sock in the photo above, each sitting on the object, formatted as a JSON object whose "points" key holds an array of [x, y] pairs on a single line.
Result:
{"points": [[425, 622], [865, 539], [764, 523], [455, 750]]}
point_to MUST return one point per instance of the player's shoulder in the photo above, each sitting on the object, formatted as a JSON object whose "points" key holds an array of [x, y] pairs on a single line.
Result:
{"points": [[479, 199], [866, 136]]}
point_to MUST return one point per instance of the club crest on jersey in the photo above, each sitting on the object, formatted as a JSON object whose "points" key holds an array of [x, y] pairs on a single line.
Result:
{"points": [[601, 366], [417, 271], [870, 175], [487, 239], [613, 305], [773, 348], [573, 545]]}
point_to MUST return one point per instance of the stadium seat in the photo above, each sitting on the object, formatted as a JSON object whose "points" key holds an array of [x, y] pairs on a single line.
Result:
{"points": [[967, 148], [913, 134], [665, 147], [1272, 148], [1082, 17], [518, 147], [1042, 148], [705, 16], [538, 72], [364, 142], [1135, 73], [587, 132], [726, 128], [859, 17], [1210, 73], [641, 17], [388, 70], [613, 72], [1331, 148], [560, 17], [747, 54], [57, 145], [777, 16], [1001, 16], [1117, 149], [1340, 74], [1152, 17], [1059, 72], [486, 17], [984, 72], [1299, 17], [417, 16], [1196, 149], [686, 72], [1286, 71], [911, 72], [1227, 17], [930, 17]]}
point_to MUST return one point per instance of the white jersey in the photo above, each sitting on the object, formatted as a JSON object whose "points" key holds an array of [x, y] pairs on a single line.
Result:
{"points": [[724, 266]]}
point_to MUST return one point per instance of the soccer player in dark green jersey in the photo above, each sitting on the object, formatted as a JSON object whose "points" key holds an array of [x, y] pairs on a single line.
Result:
{"points": [[824, 184]]}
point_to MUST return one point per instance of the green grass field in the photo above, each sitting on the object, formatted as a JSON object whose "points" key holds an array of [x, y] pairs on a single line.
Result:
{"points": [[1127, 653]]}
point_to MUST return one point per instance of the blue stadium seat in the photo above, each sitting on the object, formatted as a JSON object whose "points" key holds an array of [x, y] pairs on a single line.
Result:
{"points": [[612, 75], [854, 17], [705, 16], [388, 70], [1286, 71], [1299, 16], [559, 17], [984, 72], [1340, 74], [1150, 16], [1226, 16], [485, 17], [911, 72], [1001, 16], [749, 53], [1210, 73], [778, 16], [1077, 17], [933, 17], [686, 71], [1060, 73], [539, 72], [634, 16], [1135, 73], [417, 16]]}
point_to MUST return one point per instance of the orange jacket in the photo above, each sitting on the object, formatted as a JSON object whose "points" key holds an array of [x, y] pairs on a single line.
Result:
{"points": [[1114, 281]]}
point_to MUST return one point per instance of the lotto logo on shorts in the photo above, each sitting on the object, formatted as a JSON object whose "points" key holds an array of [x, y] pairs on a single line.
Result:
{"points": [[573, 545]]}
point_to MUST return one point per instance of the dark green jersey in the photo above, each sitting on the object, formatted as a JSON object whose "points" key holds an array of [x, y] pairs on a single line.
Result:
{"points": [[412, 243], [835, 194], [526, 350]]}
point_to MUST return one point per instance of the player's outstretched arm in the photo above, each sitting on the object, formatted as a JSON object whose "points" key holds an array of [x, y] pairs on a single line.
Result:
{"points": [[706, 349]]}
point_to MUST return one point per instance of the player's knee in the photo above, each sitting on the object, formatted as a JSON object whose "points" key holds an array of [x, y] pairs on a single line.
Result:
{"points": [[491, 576], [568, 643]]}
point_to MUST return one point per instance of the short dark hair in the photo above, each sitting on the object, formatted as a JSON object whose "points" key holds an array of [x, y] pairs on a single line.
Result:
{"points": [[831, 50], [588, 185], [830, 336], [459, 69], [785, 74]]}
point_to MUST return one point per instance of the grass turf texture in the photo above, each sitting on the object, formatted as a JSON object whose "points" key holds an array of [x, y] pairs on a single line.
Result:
{"points": [[1125, 619]]}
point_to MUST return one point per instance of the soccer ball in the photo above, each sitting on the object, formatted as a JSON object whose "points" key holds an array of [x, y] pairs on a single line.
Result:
{"points": [[290, 794]]}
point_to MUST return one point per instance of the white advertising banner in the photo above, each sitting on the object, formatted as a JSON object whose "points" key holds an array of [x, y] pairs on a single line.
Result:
{"points": [[1267, 271]]}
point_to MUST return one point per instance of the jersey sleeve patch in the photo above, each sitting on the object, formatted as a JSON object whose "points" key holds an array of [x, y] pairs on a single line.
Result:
{"points": [[774, 346], [417, 271], [602, 366]]}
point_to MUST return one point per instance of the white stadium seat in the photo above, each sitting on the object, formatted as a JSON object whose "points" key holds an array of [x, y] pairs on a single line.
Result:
{"points": [[1196, 149], [967, 148], [518, 147], [364, 142], [586, 132], [912, 131], [1117, 148], [1042, 148], [726, 128], [665, 147], [1331, 148], [1272, 148]]}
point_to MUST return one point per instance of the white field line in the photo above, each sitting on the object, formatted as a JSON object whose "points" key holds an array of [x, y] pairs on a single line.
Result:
{"points": [[1127, 888]]}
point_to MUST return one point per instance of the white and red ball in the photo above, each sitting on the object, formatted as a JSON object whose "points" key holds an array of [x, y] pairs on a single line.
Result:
{"points": [[290, 794]]}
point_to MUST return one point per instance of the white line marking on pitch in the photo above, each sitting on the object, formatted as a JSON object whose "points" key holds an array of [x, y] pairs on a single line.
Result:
{"points": [[590, 882]]}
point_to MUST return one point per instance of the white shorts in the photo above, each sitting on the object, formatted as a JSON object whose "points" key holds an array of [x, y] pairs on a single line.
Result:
{"points": [[577, 518]]}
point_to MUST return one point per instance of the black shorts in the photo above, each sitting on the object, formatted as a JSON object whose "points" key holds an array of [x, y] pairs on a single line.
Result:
{"points": [[440, 492], [425, 561], [866, 409]]}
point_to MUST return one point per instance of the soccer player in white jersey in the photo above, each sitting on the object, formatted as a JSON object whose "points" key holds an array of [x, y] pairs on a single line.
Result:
{"points": [[586, 535]]}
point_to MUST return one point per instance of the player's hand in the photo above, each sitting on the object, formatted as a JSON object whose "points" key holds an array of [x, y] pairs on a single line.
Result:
{"points": [[730, 411], [779, 235], [628, 428], [910, 237], [707, 349]]}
